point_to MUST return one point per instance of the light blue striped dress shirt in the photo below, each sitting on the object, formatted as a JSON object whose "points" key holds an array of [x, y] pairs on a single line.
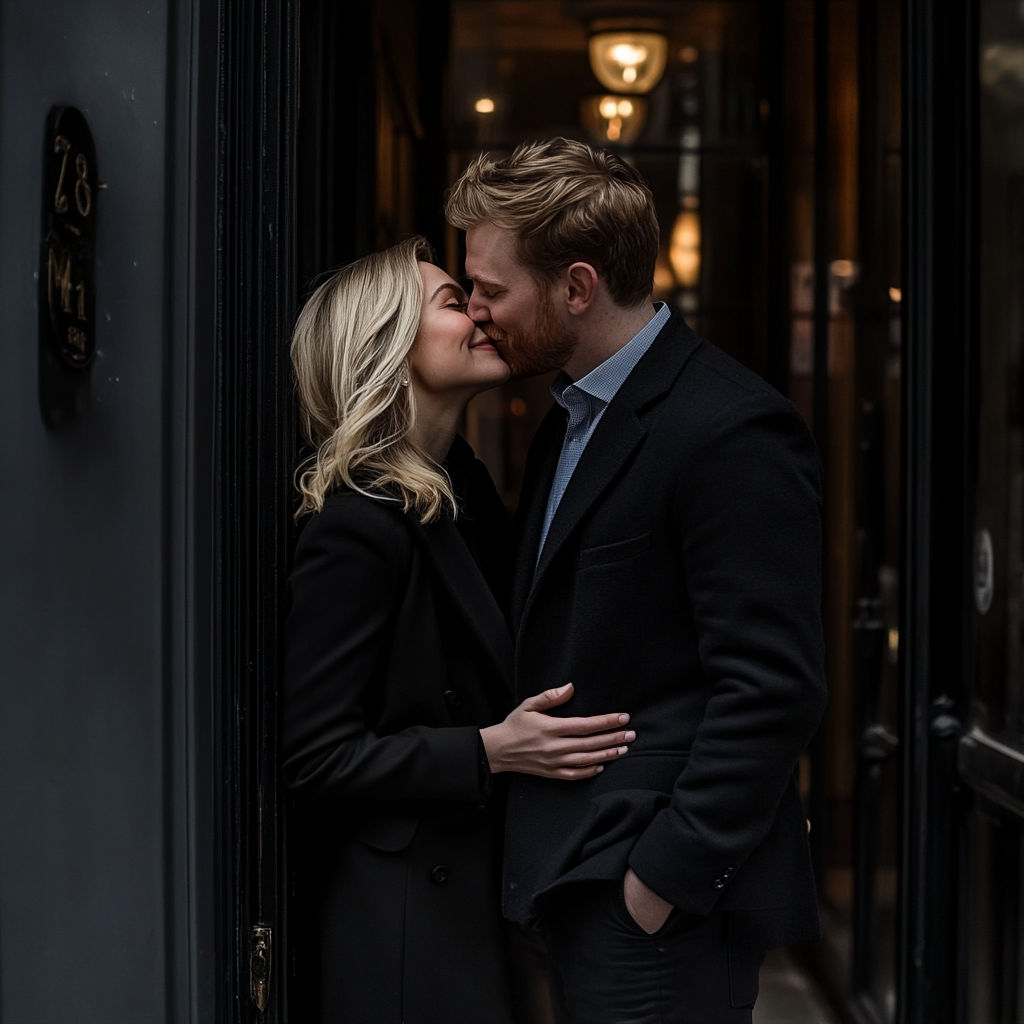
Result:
{"points": [[586, 400]]}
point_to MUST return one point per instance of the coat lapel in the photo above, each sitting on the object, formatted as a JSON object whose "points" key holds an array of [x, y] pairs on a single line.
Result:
{"points": [[617, 437], [455, 565]]}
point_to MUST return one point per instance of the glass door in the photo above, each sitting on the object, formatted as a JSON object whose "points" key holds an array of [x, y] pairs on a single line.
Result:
{"points": [[992, 751]]}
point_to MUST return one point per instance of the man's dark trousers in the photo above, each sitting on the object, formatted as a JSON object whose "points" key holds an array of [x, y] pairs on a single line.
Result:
{"points": [[680, 581], [604, 969]]}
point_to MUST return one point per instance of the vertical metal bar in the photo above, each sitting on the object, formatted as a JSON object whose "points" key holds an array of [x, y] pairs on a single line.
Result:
{"points": [[773, 32], [819, 808], [871, 323], [822, 217], [918, 276]]}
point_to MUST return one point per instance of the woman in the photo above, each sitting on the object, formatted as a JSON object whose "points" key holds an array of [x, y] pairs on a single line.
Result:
{"points": [[399, 664]]}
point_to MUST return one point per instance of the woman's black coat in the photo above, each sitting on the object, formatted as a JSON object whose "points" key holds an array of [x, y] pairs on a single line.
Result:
{"points": [[397, 652]]}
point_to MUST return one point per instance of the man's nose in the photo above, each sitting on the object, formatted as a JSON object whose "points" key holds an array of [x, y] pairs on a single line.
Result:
{"points": [[477, 310]]}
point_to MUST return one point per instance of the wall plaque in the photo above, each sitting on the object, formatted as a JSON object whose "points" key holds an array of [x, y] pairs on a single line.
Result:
{"points": [[67, 273]]}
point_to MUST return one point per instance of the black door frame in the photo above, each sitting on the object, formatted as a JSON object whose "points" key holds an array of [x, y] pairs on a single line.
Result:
{"points": [[939, 383], [254, 462]]}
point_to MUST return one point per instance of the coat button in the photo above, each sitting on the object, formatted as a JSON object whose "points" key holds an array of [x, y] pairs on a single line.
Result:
{"points": [[451, 698], [719, 883], [728, 873], [440, 874]]}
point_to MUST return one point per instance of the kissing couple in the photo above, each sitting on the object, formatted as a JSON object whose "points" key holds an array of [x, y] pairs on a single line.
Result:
{"points": [[549, 775]]}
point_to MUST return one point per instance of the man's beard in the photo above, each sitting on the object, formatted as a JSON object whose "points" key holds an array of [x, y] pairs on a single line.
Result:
{"points": [[545, 345]]}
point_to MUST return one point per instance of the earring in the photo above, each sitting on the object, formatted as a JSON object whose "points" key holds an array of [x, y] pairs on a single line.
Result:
{"points": [[403, 381]]}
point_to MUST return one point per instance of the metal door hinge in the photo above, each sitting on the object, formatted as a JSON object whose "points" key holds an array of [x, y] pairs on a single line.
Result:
{"points": [[260, 951]]}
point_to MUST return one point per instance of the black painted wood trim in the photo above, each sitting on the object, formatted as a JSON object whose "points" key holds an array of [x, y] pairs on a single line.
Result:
{"points": [[918, 125], [255, 459]]}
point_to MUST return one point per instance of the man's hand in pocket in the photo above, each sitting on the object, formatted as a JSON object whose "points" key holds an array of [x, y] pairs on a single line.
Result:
{"points": [[645, 906]]}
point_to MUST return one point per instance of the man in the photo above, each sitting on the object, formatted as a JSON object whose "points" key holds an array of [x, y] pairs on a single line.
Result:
{"points": [[669, 561]]}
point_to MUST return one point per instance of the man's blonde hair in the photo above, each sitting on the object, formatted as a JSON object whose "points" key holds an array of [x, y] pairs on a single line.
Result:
{"points": [[350, 349], [566, 202]]}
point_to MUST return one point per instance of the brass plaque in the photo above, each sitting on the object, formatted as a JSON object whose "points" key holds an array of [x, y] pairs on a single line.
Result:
{"points": [[67, 269]]}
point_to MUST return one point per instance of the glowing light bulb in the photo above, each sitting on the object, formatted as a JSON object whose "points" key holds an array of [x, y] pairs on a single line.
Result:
{"points": [[485, 106], [626, 55], [613, 118]]}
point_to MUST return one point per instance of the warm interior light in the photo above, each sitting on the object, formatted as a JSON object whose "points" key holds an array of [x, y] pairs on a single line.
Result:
{"points": [[627, 56], [485, 106], [684, 249], [631, 62], [688, 54], [613, 118], [663, 278], [896, 294]]}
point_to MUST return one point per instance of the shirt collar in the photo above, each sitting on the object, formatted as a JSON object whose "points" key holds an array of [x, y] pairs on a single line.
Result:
{"points": [[604, 381]]}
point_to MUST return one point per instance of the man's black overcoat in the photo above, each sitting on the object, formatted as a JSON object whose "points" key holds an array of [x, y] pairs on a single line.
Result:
{"points": [[681, 582], [396, 653]]}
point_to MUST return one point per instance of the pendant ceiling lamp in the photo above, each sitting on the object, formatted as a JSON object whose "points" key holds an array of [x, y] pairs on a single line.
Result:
{"points": [[628, 61]]}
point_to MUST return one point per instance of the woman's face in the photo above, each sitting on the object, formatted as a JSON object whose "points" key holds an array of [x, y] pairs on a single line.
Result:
{"points": [[451, 356]]}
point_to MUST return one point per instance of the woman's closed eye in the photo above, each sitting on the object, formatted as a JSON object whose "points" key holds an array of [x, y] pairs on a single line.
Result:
{"points": [[460, 306]]}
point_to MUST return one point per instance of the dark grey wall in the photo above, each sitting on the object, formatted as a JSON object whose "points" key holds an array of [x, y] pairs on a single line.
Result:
{"points": [[103, 686]]}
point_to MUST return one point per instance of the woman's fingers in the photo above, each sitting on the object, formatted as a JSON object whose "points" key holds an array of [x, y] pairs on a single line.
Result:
{"points": [[574, 774], [585, 726], [548, 699], [574, 744], [579, 760]]}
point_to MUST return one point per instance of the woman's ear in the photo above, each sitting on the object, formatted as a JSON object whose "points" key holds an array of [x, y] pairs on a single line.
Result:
{"points": [[581, 288]]}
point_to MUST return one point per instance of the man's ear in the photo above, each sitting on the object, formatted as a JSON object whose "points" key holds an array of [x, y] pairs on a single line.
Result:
{"points": [[581, 285]]}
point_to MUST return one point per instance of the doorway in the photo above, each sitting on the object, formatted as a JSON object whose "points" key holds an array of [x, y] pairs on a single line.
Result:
{"points": [[773, 146]]}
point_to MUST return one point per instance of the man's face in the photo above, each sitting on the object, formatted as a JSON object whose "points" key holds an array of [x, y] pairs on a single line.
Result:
{"points": [[516, 311]]}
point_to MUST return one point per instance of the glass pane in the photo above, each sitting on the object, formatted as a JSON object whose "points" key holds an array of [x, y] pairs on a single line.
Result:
{"points": [[999, 558], [995, 850]]}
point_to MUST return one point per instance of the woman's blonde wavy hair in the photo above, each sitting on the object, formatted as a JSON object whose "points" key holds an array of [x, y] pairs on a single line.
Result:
{"points": [[349, 350]]}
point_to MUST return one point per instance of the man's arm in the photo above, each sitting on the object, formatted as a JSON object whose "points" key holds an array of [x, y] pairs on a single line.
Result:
{"points": [[749, 522]]}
